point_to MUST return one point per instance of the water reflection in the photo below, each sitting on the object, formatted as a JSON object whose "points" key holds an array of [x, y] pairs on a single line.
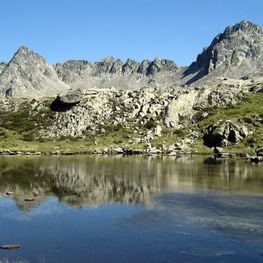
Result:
{"points": [[94, 180], [181, 210]]}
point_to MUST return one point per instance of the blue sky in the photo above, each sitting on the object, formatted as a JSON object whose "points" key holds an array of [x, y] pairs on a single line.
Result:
{"points": [[140, 29]]}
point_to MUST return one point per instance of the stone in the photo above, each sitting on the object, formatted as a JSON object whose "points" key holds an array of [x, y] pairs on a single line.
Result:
{"points": [[67, 100], [217, 151], [153, 151], [256, 159], [117, 150], [72, 96], [158, 131], [223, 133], [259, 152]]}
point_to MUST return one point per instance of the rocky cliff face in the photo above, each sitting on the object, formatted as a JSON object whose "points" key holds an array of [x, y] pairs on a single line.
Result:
{"points": [[235, 53], [2, 66], [29, 75]]}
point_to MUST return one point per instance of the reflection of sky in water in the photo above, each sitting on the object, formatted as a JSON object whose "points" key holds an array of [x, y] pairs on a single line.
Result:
{"points": [[178, 227], [103, 216], [47, 208]]}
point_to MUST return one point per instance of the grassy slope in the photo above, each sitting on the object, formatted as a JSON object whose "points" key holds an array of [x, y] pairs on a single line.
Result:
{"points": [[18, 131], [250, 109]]}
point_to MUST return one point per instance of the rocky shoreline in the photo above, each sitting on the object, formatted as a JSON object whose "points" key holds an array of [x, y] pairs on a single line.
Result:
{"points": [[216, 153]]}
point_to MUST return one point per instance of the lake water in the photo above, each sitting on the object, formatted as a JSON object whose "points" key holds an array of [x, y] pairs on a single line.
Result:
{"points": [[131, 209]]}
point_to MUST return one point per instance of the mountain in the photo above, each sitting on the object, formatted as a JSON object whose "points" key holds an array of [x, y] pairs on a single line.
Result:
{"points": [[235, 53], [2, 66], [111, 72], [29, 75]]}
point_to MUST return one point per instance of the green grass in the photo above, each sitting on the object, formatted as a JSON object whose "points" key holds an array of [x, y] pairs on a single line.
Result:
{"points": [[249, 110], [249, 106]]}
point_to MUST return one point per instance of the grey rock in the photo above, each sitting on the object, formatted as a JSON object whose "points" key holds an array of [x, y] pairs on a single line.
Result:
{"points": [[235, 53], [223, 133], [65, 101], [157, 131], [130, 67], [72, 96], [256, 159], [112, 72], [104, 66], [116, 67], [161, 65], [143, 67], [259, 152], [117, 150], [29, 75], [217, 151], [2, 66]]}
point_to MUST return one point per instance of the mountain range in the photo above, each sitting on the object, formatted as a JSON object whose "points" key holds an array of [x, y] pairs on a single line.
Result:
{"points": [[237, 53]]}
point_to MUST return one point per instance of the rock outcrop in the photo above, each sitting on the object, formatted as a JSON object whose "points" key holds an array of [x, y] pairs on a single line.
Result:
{"points": [[2, 66], [224, 133], [150, 108], [235, 53], [66, 100], [259, 152], [29, 75]]}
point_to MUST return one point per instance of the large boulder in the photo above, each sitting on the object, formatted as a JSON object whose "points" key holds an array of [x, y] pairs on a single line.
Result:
{"points": [[73, 96], [66, 100], [259, 151], [224, 133]]}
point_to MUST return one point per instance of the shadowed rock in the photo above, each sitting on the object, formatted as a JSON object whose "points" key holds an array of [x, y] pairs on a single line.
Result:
{"points": [[67, 100], [223, 133]]}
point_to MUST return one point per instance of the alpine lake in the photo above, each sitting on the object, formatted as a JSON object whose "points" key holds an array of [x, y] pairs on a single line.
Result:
{"points": [[127, 209]]}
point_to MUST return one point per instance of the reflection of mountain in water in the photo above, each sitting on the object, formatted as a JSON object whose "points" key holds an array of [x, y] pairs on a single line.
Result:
{"points": [[89, 180]]}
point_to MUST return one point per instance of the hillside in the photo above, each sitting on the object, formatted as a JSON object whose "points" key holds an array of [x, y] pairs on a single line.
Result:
{"points": [[149, 106]]}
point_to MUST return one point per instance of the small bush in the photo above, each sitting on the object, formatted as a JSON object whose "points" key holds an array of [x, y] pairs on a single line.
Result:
{"points": [[28, 137], [3, 133], [150, 124]]}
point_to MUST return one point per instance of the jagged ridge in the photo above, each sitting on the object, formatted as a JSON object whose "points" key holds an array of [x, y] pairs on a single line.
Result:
{"points": [[235, 53]]}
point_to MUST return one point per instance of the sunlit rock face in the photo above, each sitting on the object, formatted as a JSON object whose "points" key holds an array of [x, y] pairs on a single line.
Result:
{"points": [[93, 181], [2, 66], [28, 75], [235, 53], [111, 72]]}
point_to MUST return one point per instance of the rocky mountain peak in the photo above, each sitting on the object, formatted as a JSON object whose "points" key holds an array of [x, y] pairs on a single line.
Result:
{"points": [[245, 26], [28, 75], [24, 54], [235, 53]]}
